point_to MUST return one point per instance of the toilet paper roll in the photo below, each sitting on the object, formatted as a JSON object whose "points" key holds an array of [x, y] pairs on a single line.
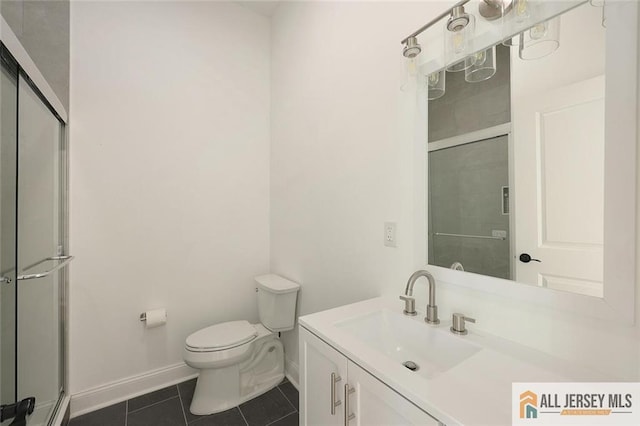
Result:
{"points": [[156, 318]]}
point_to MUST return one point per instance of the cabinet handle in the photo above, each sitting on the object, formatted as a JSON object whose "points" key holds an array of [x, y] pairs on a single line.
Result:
{"points": [[334, 379], [347, 415]]}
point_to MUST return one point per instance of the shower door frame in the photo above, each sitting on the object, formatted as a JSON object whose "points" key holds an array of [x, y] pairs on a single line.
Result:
{"points": [[31, 75]]}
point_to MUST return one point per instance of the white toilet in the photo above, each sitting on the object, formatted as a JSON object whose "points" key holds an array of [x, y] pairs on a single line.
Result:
{"points": [[238, 360]]}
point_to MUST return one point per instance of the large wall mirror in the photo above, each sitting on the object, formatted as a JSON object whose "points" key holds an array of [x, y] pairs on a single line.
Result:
{"points": [[517, 137], [516, 161]]}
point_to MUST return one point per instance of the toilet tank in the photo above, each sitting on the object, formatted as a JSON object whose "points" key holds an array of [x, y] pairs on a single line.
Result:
{"points": [[277, 302]]}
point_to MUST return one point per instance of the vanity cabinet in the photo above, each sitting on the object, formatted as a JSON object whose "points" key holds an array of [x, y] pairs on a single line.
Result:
{"points": [[322, 376], [326, 376]]}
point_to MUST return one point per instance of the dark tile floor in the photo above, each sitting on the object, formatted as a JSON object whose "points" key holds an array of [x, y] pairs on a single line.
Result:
{"points": [[170, 407]]}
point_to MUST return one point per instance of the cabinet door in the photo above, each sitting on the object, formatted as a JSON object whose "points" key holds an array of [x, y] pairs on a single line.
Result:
{"points": [[318, 361], [374, 403]]}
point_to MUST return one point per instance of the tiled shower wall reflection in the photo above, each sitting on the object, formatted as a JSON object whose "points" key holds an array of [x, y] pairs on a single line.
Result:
{"points": [[465, 198], [466, 181]]}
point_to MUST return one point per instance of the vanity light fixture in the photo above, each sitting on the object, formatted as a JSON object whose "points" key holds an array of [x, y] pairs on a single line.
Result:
{"points": [[494, 9], [540, 40], [459, 32], [482, 67], [458, 20], [410, 42], [411, 48]]}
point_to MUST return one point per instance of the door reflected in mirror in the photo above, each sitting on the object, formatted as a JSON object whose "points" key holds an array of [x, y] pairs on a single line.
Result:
{"points": [[516, 165]]}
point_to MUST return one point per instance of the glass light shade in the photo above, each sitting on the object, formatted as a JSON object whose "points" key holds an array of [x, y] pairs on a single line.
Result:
{"points": [[483, 66], [411, 67], [458, 45], [523, 10], [409, 73], [436, 84], [540, 40]]}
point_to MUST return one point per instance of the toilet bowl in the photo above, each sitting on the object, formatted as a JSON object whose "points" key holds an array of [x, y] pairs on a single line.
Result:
{"points": [[238, 360]]}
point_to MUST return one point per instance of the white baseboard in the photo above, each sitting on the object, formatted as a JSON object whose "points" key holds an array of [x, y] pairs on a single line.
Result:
{"points": [[130, 387], [292, 371]]}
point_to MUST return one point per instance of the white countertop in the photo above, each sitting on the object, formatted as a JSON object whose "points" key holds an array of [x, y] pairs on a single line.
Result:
{"points": [[476, 391]]}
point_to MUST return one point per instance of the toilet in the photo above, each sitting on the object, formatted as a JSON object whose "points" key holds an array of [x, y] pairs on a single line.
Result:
{"points": [[239, 360]]}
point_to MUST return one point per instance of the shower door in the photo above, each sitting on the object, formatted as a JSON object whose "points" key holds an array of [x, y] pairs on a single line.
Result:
{"points": [[8, 228], [40, 253], [467, 211], [33, 219]]}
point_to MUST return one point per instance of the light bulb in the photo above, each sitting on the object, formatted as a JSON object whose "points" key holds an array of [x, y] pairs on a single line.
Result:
{"points": [[538, 31], [480, 58], [433, 79], [411, 67], [522, 11], [458, 42], [521, 7], [410, 70], [436, 83]]}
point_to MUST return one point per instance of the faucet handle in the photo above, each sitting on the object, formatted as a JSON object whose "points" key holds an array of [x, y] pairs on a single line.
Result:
{"points": [[409, 305], [458, 326]]}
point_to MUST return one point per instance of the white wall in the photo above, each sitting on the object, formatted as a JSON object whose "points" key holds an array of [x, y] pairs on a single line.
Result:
{"points": [[341, 150], [169, 178], [341, 165]]}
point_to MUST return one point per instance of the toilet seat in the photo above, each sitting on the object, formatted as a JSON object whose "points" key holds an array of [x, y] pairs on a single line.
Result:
{"points": [[221, 336]]}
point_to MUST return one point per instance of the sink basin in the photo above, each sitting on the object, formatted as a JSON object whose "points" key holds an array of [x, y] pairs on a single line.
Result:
{"points": [[402, 339]]}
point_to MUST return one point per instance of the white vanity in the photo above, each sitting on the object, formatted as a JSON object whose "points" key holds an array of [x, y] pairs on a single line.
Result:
{"points": [[360, 349]]}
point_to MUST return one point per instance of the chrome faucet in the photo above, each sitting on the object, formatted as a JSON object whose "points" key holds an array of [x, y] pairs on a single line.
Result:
{"points": [[432, 309]]}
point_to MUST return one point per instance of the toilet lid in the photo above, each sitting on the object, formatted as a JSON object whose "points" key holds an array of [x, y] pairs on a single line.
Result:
{"points": [[221, 336]]}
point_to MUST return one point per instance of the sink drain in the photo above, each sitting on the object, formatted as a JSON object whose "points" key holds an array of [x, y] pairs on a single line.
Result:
{"points": [[411, 365]]}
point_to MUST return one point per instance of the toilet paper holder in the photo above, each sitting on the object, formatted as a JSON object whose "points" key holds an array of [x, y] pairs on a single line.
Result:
{"points": [[154, 318]]}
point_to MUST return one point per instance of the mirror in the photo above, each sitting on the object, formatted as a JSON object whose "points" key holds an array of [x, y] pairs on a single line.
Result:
{"points": [[516, 161]]}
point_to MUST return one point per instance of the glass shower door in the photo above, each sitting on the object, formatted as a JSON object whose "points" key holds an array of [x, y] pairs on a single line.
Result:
{"points": [[8, 181], [40, 248]]}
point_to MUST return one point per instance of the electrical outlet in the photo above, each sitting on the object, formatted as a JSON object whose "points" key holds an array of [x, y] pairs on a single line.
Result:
{"points": [[390, 234]]}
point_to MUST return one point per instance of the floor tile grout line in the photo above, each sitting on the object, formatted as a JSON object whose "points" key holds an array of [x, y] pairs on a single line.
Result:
{"points": [[285, 397], [182, 406], [283, 417], [126, 412], [242, 414], [155, 403]]}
